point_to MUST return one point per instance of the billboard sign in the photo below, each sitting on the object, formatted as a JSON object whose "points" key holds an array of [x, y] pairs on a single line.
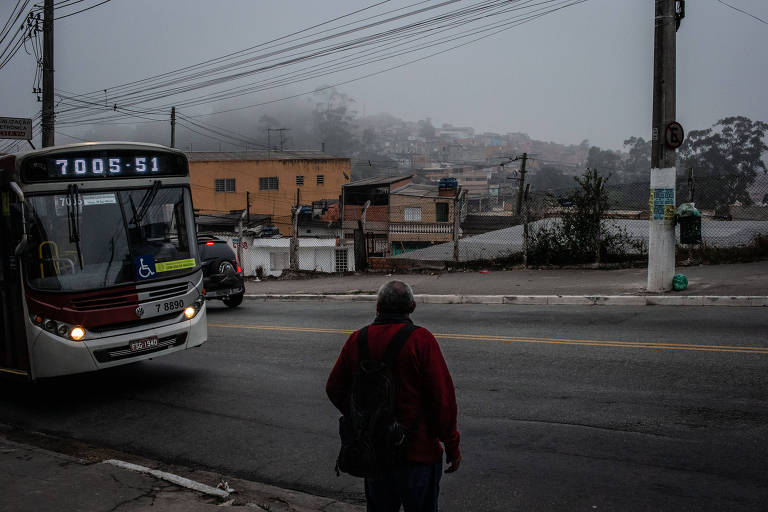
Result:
{"points": [[15, 128]]}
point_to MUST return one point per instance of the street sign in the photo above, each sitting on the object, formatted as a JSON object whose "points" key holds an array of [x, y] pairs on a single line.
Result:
{"points": [[15, 128], [674, 135]]}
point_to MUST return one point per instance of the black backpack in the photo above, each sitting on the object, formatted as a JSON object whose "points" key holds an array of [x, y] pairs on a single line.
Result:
{"points": [[372, 441]]}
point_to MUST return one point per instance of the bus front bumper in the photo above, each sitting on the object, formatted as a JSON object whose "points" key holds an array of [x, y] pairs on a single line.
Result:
{"points": [[55, 356]]}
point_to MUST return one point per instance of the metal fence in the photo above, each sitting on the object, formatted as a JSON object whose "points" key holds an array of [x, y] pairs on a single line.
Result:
{"points": [[495, 227]]}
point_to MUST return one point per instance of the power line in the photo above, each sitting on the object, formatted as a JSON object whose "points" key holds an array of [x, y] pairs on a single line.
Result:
{"points": [[388, 35], [82, 10], [743, 12]]}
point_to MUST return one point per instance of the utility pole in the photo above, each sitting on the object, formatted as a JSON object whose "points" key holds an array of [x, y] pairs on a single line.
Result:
{"points": [[520, 189], [458, 206], [47, 121], [294, 247], [664, 140], [173, 127], [248, 207]]}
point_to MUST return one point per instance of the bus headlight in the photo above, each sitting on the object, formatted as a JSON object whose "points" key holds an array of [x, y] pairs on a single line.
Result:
{"points": [[63, 329], [191, 311]]}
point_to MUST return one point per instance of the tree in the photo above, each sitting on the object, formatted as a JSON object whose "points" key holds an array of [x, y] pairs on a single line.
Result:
{"points": [[638, 165], [333, 122], [726, 159], [550, 178], [582, 234], [604, 160]]}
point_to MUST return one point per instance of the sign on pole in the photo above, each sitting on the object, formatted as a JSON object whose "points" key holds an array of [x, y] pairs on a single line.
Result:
{"points": [[15, 128]]}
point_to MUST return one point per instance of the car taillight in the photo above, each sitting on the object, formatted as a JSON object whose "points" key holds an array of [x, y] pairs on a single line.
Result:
{"points": [[208, 243], [239, 270]]}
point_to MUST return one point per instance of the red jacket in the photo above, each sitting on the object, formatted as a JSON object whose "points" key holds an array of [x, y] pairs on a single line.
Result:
{"points": [[426, 400]]}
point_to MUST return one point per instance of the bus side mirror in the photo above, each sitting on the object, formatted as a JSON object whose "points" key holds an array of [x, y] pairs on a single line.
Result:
{"points": [[22, 245]]}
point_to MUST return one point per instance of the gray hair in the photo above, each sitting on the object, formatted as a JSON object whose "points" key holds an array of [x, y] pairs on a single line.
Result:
{"points": [[395, 297]]}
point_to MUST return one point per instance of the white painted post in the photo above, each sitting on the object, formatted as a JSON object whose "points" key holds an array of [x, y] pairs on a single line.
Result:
{"points": [[661, 234]]}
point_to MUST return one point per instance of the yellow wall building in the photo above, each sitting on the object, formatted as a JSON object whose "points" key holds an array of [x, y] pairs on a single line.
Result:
{"points": [[274, 181]]}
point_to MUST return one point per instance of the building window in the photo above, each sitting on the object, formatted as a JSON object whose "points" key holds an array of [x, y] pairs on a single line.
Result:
{"points": [[299, 180], [341, 260], [441, 212], [320, 179], [270, 183], [224, 185], [412, 214]]}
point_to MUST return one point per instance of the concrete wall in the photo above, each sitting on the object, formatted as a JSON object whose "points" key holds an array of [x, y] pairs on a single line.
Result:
{"points": [[315, 254]]}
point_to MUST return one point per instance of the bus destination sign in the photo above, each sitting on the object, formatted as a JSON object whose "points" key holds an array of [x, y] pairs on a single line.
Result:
{"points": [[103, 165]]}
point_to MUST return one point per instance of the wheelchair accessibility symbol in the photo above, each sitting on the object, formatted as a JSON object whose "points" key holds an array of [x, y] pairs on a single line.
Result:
{"points": [[145, 267]]}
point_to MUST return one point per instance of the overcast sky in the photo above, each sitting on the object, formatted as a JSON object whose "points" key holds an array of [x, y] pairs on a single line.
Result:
{"points": [[584, 72]]}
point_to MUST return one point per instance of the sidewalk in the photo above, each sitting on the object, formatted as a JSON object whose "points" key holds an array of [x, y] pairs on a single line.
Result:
{"points": [[743, 284], [34, 479]]}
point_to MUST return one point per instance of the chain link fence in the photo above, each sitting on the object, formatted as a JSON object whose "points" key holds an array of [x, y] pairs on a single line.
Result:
{"points": [[560, 226]]}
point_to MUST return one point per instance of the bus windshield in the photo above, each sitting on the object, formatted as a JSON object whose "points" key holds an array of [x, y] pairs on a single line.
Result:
{"points": [[85, 240]]}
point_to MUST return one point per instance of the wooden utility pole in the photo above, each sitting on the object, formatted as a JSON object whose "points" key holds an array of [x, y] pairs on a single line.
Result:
{"points": [[521, 188], [47, 121], [173, 127], [661, 234]]}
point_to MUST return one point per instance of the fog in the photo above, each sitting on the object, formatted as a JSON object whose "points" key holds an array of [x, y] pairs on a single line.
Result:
{"points": [[581, 72]]}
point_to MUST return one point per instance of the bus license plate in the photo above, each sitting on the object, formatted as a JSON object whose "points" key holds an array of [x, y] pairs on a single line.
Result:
{"points": [[143, 344]]}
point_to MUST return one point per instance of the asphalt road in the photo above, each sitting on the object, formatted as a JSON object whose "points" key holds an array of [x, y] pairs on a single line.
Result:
{"points": [[561, 408]]}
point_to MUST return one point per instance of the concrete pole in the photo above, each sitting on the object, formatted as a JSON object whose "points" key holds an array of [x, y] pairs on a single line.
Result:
{"points": [[661, 234], [47, 120], [294, 243], [173, 127]]}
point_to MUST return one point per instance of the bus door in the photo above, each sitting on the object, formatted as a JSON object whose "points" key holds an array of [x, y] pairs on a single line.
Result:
{"points": [[14, 355]]}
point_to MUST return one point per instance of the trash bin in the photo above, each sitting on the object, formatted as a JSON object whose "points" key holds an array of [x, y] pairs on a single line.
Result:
{"points": [[689, 219]]}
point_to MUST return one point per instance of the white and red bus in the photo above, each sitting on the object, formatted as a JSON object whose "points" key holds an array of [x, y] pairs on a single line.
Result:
{"points": [[99, 264]]}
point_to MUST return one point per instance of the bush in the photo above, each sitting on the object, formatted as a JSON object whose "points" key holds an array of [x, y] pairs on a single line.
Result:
{"points": [[582, 235]]}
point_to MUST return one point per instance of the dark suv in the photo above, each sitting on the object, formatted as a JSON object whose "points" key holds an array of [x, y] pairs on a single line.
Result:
{"points": [[222, 277]]}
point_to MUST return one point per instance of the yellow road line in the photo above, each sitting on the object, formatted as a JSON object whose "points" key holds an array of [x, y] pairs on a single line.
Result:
{"points": [[528, 339], [14, 372]]}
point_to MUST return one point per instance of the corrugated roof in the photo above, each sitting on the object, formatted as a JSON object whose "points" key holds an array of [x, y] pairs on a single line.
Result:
{"points": [[378, 180], [415, 190], [247, 156]]}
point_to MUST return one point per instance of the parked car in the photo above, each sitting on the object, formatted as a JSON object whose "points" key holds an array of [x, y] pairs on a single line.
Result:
{"points": [[222, 276]]}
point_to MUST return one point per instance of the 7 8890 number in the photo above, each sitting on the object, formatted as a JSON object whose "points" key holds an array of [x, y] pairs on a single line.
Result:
{"points": [[171, 305]]}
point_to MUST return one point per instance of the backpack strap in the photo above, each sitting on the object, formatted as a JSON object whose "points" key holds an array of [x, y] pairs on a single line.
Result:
{"points": [[363, 352], [393, 349]]}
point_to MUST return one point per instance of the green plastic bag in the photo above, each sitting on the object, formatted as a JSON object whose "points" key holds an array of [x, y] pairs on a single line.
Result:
{"points": [[679, 282]]}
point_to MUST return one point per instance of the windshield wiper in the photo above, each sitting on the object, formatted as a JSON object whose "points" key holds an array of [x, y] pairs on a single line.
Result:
{"points": [[73, 215], [145, 203]]}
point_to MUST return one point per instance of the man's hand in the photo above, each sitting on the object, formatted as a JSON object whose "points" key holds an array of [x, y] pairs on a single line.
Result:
{"points": [[453, 465]]}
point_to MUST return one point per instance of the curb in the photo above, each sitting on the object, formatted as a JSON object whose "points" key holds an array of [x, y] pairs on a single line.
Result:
{"points": [[170, 477], [536, 300]]}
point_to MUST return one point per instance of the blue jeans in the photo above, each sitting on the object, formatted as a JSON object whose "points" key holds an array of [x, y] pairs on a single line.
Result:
{"points": [[414, 486]]}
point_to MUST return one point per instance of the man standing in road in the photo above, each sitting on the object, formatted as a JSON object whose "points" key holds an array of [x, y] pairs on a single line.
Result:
{"points": [[425, 403]]}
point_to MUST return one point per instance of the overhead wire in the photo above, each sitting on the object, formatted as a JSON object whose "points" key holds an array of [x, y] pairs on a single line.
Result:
{"points": [[743, 12], [337, 48], [559, 4]]}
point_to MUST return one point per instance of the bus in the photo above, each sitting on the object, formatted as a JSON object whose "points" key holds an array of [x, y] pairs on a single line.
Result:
{"points": [[99, 261]]}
